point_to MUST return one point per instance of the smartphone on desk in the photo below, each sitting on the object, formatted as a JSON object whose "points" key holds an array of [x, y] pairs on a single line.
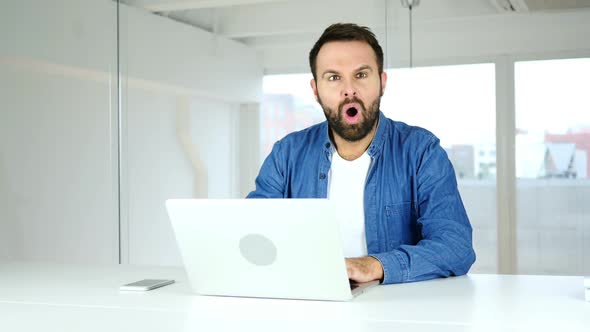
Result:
{"points": [[146, 285]]}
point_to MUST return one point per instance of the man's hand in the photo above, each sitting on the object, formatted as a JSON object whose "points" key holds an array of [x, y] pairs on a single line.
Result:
{"points": [[363, 269]]}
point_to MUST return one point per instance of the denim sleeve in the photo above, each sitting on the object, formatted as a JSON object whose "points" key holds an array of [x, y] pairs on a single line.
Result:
{"points": [[270, 182], [446, 247]]}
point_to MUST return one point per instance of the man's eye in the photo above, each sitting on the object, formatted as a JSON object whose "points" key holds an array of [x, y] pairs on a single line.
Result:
{"points": [[333, 77], [361, 75]]}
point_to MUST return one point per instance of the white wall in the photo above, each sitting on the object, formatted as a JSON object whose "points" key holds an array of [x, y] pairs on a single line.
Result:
{"points": [[179, 59], [57, 167], [182, 91], [57, 200], [181, 127], [159, 164]]}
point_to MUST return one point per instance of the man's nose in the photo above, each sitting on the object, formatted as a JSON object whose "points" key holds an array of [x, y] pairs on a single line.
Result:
{"points": [[349, 90]]}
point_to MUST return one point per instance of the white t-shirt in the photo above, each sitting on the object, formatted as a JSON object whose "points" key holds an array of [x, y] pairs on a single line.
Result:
{"points": [[346, 186]]}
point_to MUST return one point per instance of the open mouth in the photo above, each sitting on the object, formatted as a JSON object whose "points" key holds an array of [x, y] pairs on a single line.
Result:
{"points": [[352, 112]]}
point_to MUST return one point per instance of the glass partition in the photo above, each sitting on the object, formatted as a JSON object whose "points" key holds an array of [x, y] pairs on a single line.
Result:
{"points": [[58, 131]]}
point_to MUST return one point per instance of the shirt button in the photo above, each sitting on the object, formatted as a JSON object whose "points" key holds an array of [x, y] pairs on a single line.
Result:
{"points": [[327, 145], [322, 176]]}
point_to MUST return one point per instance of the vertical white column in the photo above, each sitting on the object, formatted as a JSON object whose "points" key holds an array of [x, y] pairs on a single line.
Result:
{"points": [[190, 149], [505, 162], [121, 132], [249, 146]]}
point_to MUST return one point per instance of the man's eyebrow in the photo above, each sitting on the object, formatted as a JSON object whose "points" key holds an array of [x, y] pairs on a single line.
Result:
{"points": [[361, 68], [364, 67], [329, 71]]}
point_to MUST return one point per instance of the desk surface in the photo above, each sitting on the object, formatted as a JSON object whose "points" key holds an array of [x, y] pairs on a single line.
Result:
{"points": [[55, 297]]}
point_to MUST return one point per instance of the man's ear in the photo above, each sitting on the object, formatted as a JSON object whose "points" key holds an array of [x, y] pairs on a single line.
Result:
{"points": [[383, 82], [314, 87]]}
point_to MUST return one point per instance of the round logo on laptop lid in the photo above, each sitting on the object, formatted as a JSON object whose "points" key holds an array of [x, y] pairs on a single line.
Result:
{"points": [[258, 249]]}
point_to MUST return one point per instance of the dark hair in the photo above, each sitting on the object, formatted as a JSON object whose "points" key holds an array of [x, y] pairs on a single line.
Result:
{"points": [[346, 32]]}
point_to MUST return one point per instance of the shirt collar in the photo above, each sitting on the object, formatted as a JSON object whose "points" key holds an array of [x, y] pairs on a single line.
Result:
{"points": [[376, 144]]}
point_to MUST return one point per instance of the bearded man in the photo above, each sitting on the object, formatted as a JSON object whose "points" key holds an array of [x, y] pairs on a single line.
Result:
{"points": [[401, 214]]}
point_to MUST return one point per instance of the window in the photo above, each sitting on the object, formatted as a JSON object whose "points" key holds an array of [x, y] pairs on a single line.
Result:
{"points": [[552, 166], [288, 104], [457, 104]]}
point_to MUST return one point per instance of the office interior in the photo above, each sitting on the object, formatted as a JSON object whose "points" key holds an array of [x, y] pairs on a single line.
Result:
{"points": [[108, 108]]}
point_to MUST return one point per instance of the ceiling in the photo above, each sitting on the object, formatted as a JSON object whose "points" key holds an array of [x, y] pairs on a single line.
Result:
{"points": [[254, 21], [281, 31]]}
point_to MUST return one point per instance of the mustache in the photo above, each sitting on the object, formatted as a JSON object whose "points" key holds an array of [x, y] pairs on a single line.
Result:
{"points": [[351, 100]]}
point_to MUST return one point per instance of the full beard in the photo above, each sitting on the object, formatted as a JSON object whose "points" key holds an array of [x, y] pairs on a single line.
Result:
{"points": [[352, 132]]}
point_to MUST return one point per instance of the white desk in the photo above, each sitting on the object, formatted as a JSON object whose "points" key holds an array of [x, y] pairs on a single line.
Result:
{"points": [[54, 297]]}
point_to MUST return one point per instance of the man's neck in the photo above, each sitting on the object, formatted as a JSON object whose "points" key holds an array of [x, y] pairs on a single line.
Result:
{"points": [[352, 150]]}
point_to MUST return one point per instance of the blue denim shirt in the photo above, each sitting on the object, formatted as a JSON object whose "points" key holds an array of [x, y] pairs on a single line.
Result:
{"points": [[415, 221]]}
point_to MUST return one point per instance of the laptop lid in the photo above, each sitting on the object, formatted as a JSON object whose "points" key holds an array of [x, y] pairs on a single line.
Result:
{"points": [[273, 248]]}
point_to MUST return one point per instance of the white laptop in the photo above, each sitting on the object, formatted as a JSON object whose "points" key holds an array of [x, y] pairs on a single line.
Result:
{"points": [[271, 248]]}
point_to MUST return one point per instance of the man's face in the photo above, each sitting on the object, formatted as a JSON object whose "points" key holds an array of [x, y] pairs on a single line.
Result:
{"points": [[349, 87]]}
